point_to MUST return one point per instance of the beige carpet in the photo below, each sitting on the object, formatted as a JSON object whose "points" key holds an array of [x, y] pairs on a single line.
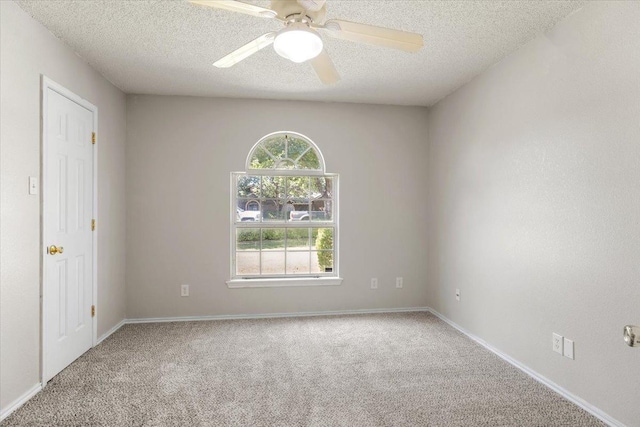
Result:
{"points": [[408, 369]]}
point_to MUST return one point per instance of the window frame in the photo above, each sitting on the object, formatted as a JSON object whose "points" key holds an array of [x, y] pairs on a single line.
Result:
{"points": [[284, 280]]}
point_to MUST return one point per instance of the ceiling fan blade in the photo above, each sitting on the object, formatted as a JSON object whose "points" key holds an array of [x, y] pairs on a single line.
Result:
{"points": [[379, 36], [324, 68], [246, 50], [237, 6]]}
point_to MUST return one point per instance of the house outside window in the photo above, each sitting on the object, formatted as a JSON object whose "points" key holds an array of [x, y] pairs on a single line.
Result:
{"points": [[284, 210]]}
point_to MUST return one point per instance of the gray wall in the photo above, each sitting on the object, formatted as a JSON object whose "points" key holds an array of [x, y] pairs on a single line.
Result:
{"points": [[534, 172], [180, 152], [531, 188], [28, 50]]}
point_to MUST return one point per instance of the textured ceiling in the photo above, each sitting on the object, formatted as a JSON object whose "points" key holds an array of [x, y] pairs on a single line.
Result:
{"points": [[168, 47]]}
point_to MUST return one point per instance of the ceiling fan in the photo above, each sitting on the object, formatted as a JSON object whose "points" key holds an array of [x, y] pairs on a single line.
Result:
{"points": [[300, 41]]}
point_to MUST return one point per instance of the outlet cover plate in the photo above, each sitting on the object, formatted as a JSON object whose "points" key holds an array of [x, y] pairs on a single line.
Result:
{"points": [[557, 343], [33, 185], [184, 290], [374, 283], [399, 282]]}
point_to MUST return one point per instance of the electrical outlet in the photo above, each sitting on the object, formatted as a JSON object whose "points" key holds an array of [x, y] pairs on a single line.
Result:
{"points": [[457, 294], [557, 343], [568, 348], [374, 283], [184, 290], [399, 282]]}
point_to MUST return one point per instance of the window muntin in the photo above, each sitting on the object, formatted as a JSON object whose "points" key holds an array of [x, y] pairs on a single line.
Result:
{"points": [[284, 212], [284, 252], [285, 151], [282, 198]]}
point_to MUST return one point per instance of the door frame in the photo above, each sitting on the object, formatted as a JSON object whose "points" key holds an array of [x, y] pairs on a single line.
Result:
{"points": [[46, 85]]}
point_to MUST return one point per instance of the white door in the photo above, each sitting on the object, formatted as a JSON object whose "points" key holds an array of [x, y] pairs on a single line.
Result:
{"points": [[67, 235]]}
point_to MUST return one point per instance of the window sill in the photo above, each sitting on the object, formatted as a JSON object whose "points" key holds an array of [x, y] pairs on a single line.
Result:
{"points": [[280, 282]]}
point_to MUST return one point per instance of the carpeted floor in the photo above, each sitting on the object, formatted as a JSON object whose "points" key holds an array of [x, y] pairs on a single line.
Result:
{"points": [[407, 369]]}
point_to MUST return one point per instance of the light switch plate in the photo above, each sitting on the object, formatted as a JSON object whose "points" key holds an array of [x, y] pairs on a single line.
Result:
{"points": [[568, 348]]}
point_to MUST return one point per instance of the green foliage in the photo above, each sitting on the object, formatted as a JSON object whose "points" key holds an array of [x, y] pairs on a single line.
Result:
{"points": [[297, 233], [249, 235], [282, 151], [324, 240], [248, 186], [273, 187], [272, 234], [261, 160], [253, 234]]}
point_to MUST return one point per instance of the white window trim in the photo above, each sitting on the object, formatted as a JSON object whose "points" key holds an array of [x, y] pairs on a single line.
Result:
{"points": [[295, 281], [311, 279], [313, 145], [283, 282]]}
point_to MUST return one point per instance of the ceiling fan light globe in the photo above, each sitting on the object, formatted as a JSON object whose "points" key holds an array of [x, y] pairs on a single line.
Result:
{"points": [[298, 43]]}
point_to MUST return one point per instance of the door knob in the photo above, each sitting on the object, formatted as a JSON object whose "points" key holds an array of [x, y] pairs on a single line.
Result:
{"points": [[632, 335], [53, 249]]}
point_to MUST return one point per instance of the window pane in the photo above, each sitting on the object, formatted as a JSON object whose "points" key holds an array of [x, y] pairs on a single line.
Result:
{"points": [[247, 262], [321, 210], [323, 240], [322, 262], [248, 239], [322, 187], [296, 147], [273, 187], [248, 210], [309, 161], [275, 146], [273, 210], [298, 239], [272, 262], [273, 238], [261, 160], [298, 188], [248, 186], [298, 262]]}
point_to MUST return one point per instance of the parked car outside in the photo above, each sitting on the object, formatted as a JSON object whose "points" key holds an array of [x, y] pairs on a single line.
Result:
{"points": [[242, 215], [299, 216], [304, 216]]}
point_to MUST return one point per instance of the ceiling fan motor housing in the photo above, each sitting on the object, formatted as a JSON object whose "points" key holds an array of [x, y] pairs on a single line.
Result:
{"points": [[286, 8]]}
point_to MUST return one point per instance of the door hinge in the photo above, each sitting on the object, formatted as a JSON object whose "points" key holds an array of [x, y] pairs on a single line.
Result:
{"points": [[93, 225], [93, 311], [93, 137]]}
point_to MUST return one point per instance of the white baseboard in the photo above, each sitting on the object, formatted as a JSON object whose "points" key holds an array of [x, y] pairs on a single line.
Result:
{"points": [[20, 401], [111, 331], [536, 376], [275, 315]]}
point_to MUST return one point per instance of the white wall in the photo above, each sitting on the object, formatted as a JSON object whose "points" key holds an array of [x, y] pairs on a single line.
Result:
{"points": [[180, 152], [534, 172], [28, 50]]}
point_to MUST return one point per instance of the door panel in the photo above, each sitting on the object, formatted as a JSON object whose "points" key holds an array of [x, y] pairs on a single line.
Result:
{"points": [[67, 212]]}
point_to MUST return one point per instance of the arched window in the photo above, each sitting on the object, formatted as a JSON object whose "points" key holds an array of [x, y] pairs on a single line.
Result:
{"points": [[285, 151], [284, 215]]}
